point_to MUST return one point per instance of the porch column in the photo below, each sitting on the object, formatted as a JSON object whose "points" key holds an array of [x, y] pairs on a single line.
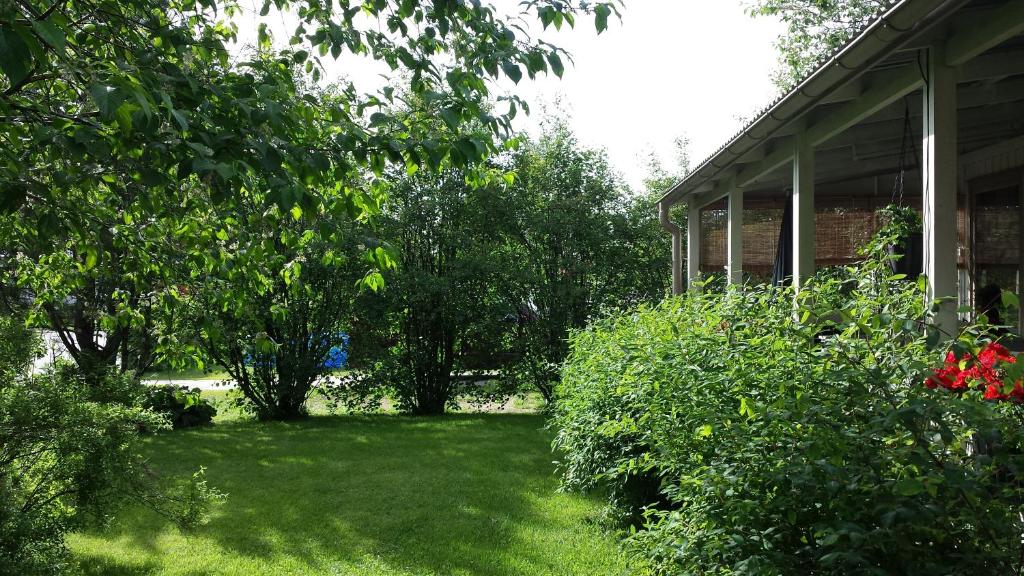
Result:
{"points": [[803, 210], [939, 174], [734, 240], [692, 244]]}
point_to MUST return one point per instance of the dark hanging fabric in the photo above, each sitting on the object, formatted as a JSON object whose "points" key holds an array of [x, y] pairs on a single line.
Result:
{"points": [[782, 273]]}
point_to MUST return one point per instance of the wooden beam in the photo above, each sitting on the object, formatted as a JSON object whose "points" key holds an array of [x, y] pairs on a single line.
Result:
{"points": [[771, 162], [717, 192], [997, 65], [900, 83], [939, 183], [973, 121], [874, 99], [665, 218], [993, 29]]}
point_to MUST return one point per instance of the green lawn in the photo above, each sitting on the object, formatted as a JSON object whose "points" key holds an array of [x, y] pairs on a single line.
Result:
{"points": [[376, 495]]}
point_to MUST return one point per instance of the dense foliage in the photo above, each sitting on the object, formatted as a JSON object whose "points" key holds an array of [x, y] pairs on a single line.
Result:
{"points": [[131, 134], [440, 317], [743, 438], [273, 294], [184, 407], [583, 241], [163, 195], [69, 455], [814, 29], [491, 278]]}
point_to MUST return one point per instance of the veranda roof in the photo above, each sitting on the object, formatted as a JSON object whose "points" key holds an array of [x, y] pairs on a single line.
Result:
{"points": [[868, 75]]}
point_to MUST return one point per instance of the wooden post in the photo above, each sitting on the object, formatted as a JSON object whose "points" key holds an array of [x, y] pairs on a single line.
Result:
{"points": [[692, 244], [939, 182], [734, 264], [803, 210]]}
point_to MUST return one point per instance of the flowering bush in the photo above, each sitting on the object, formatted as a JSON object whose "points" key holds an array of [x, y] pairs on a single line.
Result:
{"points": [[983, 371], [737, 437]]}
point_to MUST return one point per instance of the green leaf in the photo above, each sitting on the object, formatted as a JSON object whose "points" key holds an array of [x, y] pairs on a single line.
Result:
{"points": [[1010, 299], [91, 257], [451, 118], [102, 95], [512, 71], [374, 281], [908, 487], [262, 36], [556, 64], [747, 408], [601, 13], [181, 119], [202, 149], [15, 55], [50, 34]]}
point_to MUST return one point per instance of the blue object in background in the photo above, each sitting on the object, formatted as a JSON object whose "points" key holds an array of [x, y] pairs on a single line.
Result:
{"points": [[337, 356]]}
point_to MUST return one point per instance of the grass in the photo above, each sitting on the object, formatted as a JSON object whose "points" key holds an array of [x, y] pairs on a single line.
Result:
{"points": [[381, 495], [227, 411]]}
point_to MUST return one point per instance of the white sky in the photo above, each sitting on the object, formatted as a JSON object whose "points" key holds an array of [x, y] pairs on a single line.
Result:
{"points": [[669, 68]]}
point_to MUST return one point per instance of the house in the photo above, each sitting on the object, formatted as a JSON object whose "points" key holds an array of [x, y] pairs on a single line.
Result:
{"points": [[924, 107]]}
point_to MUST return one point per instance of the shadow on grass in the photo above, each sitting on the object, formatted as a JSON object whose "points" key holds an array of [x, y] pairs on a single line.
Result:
{"points": [[467, 494]]}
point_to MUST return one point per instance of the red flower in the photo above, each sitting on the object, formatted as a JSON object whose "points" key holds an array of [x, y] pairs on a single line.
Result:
{"points": [[948, 376], [993, 392], [979, 372], [1017, 394], [993, 353]]}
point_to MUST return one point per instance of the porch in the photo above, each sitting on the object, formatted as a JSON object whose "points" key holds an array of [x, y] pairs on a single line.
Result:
{"points": [[924, 108]]}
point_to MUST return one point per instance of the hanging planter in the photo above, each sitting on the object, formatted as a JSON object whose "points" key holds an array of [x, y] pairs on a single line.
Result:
{"points": [[908, 255], [901, 226]]}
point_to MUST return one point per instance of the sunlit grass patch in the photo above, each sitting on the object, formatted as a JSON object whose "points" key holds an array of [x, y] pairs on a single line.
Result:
{"points": [[470, 494]]}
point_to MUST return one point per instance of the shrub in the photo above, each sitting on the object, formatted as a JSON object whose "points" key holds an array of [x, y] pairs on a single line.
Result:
{"points": [[440, 313], [69, 453], [743, 436], [277, 342], [184, 407]]}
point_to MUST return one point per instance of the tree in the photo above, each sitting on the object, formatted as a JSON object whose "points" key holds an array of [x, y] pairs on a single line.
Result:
{"points": [[130, 140], [586, 243], [814, 29], [128, 119], [443, 307], [273, 328]]}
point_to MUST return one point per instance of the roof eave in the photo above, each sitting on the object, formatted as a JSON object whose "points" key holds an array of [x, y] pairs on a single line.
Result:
{"points": [[887, 33]]}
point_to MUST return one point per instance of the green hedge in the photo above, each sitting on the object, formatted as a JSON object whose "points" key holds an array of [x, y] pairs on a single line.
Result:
{"points": [[739, 435]]}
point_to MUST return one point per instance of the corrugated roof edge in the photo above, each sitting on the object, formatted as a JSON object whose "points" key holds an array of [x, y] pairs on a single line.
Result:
{"points": [[828, 64]]}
